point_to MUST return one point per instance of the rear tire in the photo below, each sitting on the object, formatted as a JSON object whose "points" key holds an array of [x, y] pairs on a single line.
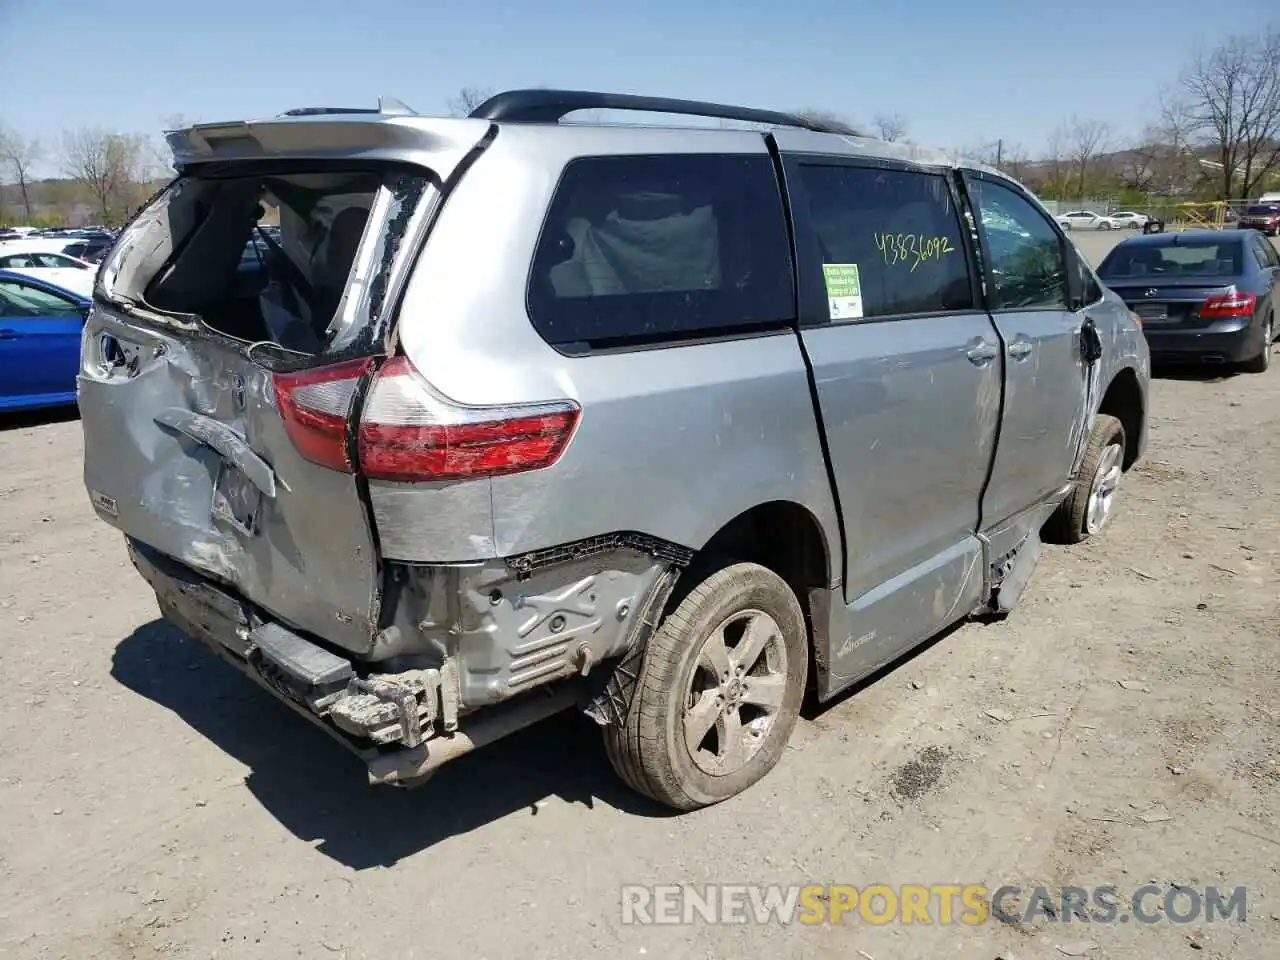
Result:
{"points": [[719, 691], [1090, 504], [1262, 362]]}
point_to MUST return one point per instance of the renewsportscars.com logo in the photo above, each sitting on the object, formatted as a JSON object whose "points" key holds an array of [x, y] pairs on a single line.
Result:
{"points": [[941, 904]]}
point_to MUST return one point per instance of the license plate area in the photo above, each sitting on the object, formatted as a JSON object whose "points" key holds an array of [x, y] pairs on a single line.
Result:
{"points": [[236, 501], [1154, 312]]}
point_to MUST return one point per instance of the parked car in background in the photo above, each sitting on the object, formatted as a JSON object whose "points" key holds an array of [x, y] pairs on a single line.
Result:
{"points": [[1086, 220], [40, 328], [56, 268], [90, 251], [1263, 217], [752, 312], [1204, 296], [83, 250], [1129, 219]]}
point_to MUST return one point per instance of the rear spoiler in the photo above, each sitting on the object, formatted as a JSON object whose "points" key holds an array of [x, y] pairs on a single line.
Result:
{"points": [[328, 135]]}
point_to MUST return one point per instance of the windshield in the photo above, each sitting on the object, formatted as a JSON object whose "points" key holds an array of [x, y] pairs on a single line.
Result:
{"points": [[1264, 209], [1212, 258]]}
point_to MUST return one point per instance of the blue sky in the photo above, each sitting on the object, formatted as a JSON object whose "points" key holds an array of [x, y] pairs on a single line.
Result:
{"points": [[962, 73]]}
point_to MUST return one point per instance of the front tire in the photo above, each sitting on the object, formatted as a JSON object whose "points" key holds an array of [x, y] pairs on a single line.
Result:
{"points": [[719, 691], [1091, 503]]}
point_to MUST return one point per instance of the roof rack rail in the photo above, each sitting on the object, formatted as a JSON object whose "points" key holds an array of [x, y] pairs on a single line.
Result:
{"points": [[551, 106]]}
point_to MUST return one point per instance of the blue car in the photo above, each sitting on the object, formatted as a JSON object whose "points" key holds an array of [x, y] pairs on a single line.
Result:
{"points": [[40, 326]]}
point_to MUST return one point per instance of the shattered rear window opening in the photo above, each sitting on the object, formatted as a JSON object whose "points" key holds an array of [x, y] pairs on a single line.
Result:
{"points": [[298, 258]]}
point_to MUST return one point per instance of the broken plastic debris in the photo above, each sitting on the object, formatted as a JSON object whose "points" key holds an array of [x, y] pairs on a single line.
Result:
{"points": [[1003, 716], [1137, 685], [1157, 814], [1077, 948]]}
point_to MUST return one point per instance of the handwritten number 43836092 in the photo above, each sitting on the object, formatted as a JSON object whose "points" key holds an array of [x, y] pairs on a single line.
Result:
{"points": [[912, 249]]}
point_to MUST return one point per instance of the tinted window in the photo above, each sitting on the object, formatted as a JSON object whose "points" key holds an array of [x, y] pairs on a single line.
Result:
{"points": [[1027, 266], [1202, 258], [1267, 256], [20, 300], [661, 248], [1090, 292], [890, 241], [1265, 209]]}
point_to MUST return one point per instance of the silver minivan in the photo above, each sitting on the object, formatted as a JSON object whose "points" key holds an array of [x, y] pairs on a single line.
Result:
{"points": [[435, 427]]}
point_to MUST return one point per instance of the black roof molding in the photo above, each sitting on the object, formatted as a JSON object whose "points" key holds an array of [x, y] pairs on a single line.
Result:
{"points": [[551, 106]]}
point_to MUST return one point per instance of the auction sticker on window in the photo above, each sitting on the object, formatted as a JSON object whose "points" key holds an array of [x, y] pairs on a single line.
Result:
{"points": [[844, 290]]}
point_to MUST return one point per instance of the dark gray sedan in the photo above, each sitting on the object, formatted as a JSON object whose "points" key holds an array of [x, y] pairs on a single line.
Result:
{"points": [[1203, 296]]}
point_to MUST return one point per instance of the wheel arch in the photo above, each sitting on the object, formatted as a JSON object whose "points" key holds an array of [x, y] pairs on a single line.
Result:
{"points": [[782, 535], [1124, 401]]}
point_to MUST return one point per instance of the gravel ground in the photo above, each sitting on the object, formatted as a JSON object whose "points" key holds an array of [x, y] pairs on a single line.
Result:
{"points": [[1120, 728]]}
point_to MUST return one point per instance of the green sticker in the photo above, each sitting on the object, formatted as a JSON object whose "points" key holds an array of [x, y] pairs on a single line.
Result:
{"points": [[844, 290]]}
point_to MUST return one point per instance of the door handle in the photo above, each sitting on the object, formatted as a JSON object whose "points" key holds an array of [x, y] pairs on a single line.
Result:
{"points": [[981, 351], [1020, 348], [8, 334]]}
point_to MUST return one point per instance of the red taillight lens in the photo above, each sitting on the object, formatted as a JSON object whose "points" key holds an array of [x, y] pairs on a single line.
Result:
{"points": [[315, 406], [409, 432], [1229, 305]]}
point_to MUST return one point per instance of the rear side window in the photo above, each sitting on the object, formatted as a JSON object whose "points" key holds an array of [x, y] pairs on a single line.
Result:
{"points": [[890, 241], [1266, 253], [648, 249]]}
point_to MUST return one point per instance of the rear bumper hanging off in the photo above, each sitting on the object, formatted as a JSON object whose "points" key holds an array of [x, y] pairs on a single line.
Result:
{"points": [[403, 726]]}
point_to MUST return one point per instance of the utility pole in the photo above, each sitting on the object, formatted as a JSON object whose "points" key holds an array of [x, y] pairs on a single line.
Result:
{"points": [[999, 153]]}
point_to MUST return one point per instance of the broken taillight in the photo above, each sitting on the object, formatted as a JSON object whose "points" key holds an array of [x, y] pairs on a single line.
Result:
{"points": [[1229, 305], [408, 432], [316, 407]]}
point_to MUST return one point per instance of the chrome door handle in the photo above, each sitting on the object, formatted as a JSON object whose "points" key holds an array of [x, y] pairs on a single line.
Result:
{"points": [[981, 351], [1020, 349]]}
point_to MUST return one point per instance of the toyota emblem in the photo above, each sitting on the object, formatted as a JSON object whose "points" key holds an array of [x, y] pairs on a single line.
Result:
{"points": [[1152, 292]]}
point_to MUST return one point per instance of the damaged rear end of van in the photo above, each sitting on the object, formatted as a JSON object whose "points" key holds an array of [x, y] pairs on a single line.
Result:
{"points": [[253, 429]]}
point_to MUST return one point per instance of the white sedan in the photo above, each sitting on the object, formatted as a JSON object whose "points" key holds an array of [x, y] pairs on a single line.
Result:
{"points": [[56, 268], [1129, 219], [1086, 220]]}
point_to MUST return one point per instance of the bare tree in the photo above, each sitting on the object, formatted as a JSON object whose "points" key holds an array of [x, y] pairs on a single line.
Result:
{"points": [[1086, 139], [1014, 160], [466, 100], [1160, 160], [890, 127], [157, 157], [19, 154], [1230, 98], [106, 164], [1056, 161], [1138, 164]]}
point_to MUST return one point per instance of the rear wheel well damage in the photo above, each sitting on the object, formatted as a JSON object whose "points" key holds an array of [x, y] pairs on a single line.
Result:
{"points": [[1123, 400], [781, 536]]}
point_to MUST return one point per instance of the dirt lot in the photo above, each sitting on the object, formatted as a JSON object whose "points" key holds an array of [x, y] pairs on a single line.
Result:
{"points": [[155, 804]]}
